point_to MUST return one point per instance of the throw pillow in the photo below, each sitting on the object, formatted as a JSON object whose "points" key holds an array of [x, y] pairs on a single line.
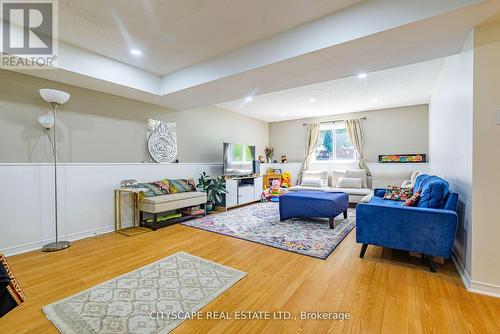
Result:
{"points": [[181, 186], [397, 193], [163, 184], [316, 174], [413, 176], [406, 183], [358, 174], [349, 182], [311, 182], [412, 201], [152, 189], [367, 198]]}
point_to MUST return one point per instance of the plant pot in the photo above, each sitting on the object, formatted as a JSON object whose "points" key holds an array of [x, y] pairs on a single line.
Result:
{"points": [[209, 206]]}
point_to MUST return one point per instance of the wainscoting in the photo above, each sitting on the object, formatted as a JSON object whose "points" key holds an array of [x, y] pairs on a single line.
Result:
{"points": [[85, 198]]}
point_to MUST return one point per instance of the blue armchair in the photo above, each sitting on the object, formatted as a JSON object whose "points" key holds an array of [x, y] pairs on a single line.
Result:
{"points": [[429, 228]]}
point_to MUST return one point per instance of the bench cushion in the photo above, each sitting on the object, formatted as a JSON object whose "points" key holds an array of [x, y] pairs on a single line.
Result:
{"points": [[172, 201], [354, 191]]}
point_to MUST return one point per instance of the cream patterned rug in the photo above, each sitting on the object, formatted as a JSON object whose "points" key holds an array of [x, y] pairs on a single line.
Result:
{"points": [[130, 303]]}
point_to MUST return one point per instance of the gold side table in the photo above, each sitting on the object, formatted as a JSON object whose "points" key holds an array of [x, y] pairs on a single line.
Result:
{"points": [[136, 228]]}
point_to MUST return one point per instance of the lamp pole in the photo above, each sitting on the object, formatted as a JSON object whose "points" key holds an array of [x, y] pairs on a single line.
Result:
{"points": [[54, 153], [55, 99]]}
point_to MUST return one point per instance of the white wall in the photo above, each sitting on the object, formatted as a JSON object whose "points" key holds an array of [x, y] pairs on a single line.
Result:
{"points": [[98, 127], [486, 159], [450, 139], [85, 199], [387, 131]]}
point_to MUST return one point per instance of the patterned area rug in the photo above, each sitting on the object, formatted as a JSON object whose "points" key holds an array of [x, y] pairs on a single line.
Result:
{"points": [[260, 223], [178, 283]]}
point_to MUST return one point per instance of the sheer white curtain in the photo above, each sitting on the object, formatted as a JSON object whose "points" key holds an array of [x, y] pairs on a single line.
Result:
{"points": [[355, 131], [311, 142]]}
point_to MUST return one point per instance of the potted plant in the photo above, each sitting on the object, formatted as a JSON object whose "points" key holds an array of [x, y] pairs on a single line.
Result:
{"points": [[217, 189], [214, 187]]}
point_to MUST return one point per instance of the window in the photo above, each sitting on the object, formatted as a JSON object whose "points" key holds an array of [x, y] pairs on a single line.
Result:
{"points": [[334, 144], [241, 154]]}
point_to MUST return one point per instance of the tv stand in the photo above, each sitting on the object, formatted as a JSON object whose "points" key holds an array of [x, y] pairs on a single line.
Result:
{"points": [[242, 190]]}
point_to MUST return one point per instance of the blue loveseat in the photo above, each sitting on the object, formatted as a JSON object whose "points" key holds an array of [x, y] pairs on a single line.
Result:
{"points": [[428, 228]]}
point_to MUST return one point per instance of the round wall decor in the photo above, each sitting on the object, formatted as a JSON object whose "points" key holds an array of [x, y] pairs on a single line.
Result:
{"points": [[162, 143]]}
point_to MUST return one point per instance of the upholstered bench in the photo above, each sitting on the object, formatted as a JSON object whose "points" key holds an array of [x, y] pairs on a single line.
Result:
{"points": [[168, 195], [164, 203]]}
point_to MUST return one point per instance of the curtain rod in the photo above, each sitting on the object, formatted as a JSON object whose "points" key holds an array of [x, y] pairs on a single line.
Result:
{"points": [[337, 121]]}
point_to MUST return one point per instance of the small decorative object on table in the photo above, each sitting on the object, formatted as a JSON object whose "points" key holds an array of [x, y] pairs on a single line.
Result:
{"points": [[402, 158], [127, 183], [284, 159], [269, 151]]}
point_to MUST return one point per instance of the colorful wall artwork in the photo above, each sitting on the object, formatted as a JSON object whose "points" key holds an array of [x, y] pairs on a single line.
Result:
{"points": [[402, 158]]}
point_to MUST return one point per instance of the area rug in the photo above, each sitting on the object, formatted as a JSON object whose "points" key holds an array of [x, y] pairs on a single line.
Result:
{"points": [[138, 301], [260, 223]]}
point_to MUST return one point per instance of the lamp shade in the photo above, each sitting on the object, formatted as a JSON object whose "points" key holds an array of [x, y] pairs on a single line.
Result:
{"points": [[54, 96], [47, 121]]}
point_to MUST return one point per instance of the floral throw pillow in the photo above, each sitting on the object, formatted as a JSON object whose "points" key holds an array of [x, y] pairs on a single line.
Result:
{"points": [[163, 184], [397, 193], [181, 186], [152, 189], [412, 201]]}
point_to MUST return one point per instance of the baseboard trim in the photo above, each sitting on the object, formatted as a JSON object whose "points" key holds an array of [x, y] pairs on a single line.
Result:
{"points": [[39, 244], [484, 288], [474, 286], [464, 274]]}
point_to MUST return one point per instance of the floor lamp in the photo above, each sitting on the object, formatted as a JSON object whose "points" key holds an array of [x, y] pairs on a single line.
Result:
{"points": [[55, 98]]}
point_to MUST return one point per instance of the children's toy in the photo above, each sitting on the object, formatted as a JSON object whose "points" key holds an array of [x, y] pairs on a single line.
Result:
{"points": [[275, 190], [286, 179], [266, 195]]}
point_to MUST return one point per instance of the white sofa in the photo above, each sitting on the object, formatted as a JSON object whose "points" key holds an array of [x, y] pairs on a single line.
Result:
{"points": [[355, 194], [329, 181], [326, 181]]}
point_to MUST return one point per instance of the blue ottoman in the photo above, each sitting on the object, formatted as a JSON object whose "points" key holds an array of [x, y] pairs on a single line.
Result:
{"points": [[313, 204]]}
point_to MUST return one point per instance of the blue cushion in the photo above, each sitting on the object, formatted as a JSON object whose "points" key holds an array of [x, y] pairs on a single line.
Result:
{"points": [[433, 191], [385, 202]]}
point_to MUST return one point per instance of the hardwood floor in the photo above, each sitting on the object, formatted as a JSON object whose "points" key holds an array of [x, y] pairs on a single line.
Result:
{"points": [[386, 292]]}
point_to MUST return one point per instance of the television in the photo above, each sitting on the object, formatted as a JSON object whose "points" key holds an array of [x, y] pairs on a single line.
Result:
{"points": [[238, 159]]}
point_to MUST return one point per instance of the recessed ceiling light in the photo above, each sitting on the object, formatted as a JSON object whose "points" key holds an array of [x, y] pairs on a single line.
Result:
{"points": [[312, 100], [374, 101], [248, 98], [136, 52], [283, 114], [362, 75]]}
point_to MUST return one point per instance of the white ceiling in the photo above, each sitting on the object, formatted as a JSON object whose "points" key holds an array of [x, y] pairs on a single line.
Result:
{"points": [[178, 33], [223, 50], [399, 86]]}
